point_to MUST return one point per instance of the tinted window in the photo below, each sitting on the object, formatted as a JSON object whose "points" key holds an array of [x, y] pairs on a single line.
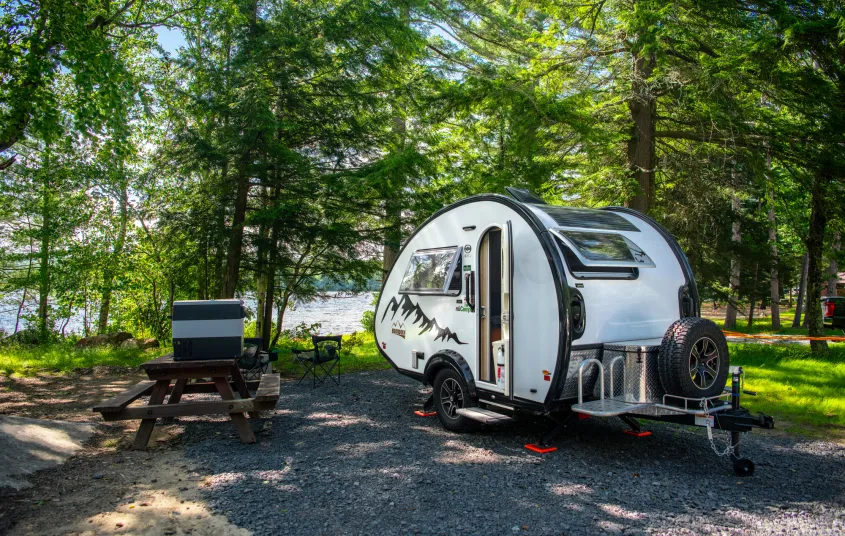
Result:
{"points": [[606, 248], [430, 270]]}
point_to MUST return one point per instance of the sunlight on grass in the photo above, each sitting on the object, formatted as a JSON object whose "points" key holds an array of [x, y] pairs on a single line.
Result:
{"points": [[359, 354], [63, 357], [764, 324], [805, 390]]}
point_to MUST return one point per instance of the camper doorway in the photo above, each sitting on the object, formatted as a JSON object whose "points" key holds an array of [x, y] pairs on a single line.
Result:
{"points": [[490, 310]]}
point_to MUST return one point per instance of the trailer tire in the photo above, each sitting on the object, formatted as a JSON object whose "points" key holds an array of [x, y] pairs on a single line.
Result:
{"points": [[693, 360], [450, 393]]}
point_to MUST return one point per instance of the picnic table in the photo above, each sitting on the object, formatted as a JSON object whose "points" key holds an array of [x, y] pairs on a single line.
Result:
{"points": [[226, 379]]}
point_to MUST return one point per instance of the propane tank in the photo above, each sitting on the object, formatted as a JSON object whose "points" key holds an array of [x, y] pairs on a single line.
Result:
{"points": [[500, 367]]}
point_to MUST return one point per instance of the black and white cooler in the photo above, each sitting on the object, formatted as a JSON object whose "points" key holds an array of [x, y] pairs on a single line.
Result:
{"points": [[208, 329]]}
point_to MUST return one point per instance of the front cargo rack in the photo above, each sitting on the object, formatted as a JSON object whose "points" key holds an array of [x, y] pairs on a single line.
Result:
{"points": [[720, 412], [613, 407]]}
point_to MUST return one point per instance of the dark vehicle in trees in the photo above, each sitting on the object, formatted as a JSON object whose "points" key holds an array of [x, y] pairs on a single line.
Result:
{"points": [[834, 311]]}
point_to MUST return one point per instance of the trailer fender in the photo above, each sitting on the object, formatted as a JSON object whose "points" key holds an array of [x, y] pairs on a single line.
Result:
{"points": [[450, 358]]}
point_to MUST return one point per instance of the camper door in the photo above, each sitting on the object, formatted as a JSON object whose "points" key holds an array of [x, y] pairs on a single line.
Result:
{"points": [[503, 348]]}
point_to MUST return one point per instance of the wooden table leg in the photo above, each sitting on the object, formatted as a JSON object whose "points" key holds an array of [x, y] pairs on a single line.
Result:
{"points": [[240, 383], [178, 389], [175, 397], [142, 437], [239, 419]]}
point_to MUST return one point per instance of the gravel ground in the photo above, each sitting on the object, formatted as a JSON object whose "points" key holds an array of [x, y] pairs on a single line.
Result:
{"points": [[355, 460]]}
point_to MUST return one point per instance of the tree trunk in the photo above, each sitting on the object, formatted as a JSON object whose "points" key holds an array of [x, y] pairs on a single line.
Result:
{"points": [[67, 320], [235, 251], [267, 328], [261, 267], [833, 269], [219, 255], [815, 276], [117, 251], [774, 285], [736, 239], [44, 268], [26, 286], [392, 203], [753, 298], [280, 315], [802, 289], [641, 144], [392, 236]]}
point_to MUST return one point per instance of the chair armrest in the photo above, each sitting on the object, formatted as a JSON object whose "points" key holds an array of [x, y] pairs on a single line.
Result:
{"points": [[273, 356]]}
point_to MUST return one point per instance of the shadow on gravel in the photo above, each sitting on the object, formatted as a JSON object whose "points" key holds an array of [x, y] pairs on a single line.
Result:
{"points": [[355, 460]]}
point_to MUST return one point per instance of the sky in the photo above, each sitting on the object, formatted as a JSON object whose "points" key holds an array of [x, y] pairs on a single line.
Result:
{"points": [[170, 39]]}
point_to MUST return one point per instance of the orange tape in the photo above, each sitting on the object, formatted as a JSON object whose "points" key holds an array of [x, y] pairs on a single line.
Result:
{"points": [[784, 337]]}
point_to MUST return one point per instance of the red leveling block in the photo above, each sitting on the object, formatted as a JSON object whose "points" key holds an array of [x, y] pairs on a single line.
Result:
{"points": [[425, 413], [641, 433], [540, 450]]}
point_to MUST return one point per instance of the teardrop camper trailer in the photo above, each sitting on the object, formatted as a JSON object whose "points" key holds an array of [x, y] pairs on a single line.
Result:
{"points": [[507, 305]]}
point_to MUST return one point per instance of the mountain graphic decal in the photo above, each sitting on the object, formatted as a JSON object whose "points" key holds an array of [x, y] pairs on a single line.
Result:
{"points": [[426, 324]]}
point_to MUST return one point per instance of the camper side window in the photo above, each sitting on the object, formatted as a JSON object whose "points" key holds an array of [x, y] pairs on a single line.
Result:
{"points": [[433, 271]]}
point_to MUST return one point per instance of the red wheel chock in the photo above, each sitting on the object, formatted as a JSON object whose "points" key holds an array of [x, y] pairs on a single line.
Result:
{"points": [[641, 433], [540, 450], [420, 413]]}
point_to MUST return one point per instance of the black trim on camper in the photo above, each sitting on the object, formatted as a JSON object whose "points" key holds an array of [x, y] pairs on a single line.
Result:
{"points": [[450, 358], [558, 275], [679, 254]]}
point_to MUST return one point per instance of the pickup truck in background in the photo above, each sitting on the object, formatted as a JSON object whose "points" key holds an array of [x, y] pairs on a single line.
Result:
{"points": [[834, 311]]}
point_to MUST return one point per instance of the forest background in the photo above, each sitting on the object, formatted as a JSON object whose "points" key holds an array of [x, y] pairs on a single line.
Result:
{"points": [[288, 147]]}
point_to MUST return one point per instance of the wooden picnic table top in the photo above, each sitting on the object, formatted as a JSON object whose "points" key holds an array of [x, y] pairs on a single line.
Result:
{"points": [[166, 362]]}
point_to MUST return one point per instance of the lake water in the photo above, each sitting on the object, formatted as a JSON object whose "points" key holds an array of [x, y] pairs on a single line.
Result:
{"points": [[339, 313]]}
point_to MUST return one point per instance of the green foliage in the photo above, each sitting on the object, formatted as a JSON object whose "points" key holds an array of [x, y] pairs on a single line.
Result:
{"points": [[290, 147], [803, 392], [368, 317]]}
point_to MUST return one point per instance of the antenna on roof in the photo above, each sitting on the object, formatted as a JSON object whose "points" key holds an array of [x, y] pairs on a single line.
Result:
{"points": [[523, 195]]}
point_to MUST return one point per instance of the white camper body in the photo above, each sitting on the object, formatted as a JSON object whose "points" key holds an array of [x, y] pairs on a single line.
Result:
{"points": [[508, 305], [494, 277]]}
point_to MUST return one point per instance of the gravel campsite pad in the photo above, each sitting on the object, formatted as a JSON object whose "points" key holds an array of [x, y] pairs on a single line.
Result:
{"points": [[355, 459]]}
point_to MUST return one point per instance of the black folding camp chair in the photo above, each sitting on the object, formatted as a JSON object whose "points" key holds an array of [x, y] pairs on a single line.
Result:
{"points": [[254, 362], [322, 361]]}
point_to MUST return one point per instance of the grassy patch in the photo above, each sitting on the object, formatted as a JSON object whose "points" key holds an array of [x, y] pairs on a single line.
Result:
{"points": [[63, 357], [805, 393], [764, 325], [359, 353]]}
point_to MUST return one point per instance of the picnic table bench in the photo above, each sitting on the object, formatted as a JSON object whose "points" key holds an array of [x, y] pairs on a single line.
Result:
{"points": [[164, 370]]}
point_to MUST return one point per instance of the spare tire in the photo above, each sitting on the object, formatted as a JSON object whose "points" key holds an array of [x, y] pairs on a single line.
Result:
{"points": [[693, 360]]}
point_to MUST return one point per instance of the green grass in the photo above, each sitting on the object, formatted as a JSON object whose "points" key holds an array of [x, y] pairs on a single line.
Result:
{"points": [[805, 393], [359, 353], [764, 324], [63, 357]]}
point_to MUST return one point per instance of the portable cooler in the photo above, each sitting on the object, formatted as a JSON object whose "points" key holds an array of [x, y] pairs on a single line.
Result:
{"points": [[208, 329]]}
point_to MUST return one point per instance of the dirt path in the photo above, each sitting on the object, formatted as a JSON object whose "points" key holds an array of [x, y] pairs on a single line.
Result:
{"points": [[107, 488]]}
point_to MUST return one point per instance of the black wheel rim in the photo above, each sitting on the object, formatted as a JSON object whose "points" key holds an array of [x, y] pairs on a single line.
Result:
{"points": [[451, 397], [704, 363]]}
